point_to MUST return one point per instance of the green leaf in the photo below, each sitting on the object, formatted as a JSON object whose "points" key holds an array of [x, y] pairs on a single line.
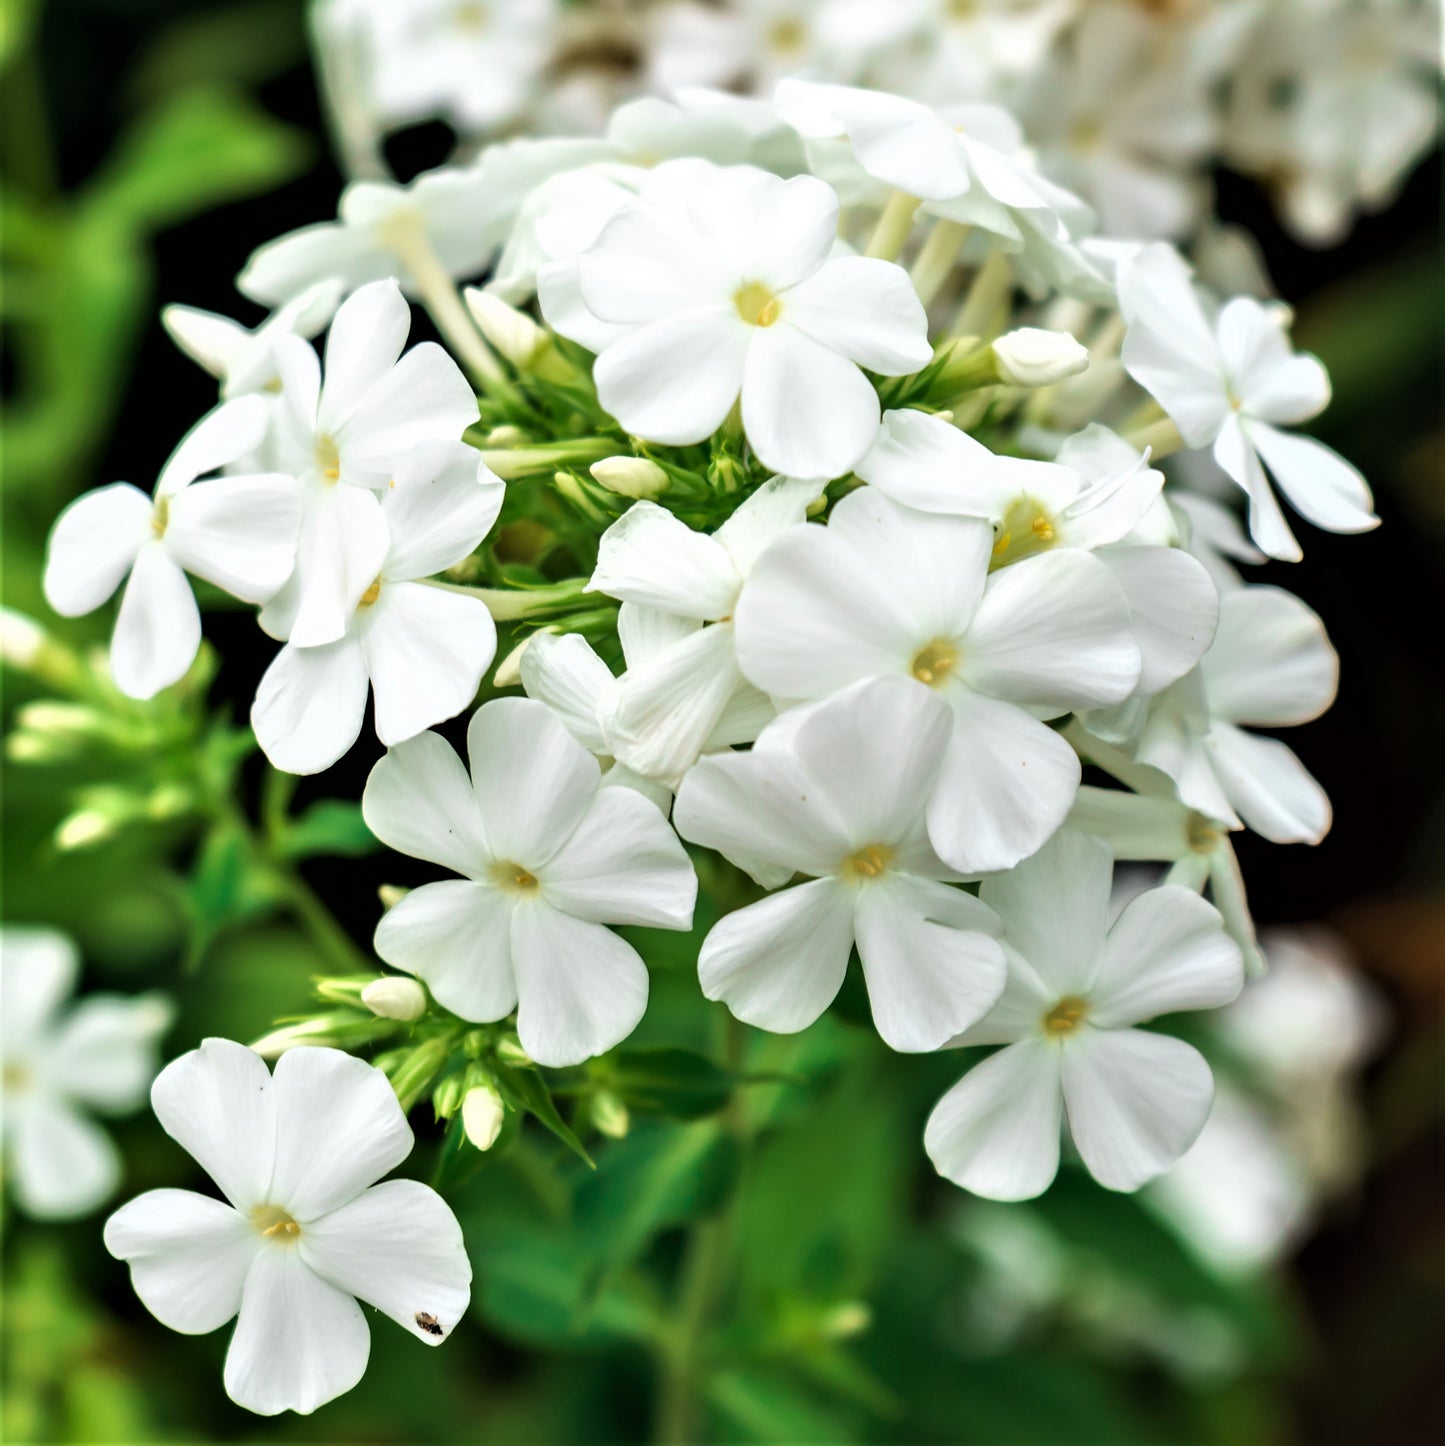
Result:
{"points": [[524, 1089], [225, 888], [762, 1405], [669, 1081], [331, 826], [249, 41]]}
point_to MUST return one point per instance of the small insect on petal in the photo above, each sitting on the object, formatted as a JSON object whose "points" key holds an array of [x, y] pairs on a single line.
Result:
{"points": [[429, 1323]]}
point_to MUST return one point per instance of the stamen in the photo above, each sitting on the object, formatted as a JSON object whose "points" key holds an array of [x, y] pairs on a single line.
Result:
{"points": [[275, 1224], [757, 304], [161, 516], [933, 663], [1065, 1017], [513, 878], [328, 459], [868, 863], [1027, 527], [371, 594]]}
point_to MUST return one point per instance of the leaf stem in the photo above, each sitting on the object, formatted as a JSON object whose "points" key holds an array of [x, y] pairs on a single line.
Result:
{"points": [[893, 227]]}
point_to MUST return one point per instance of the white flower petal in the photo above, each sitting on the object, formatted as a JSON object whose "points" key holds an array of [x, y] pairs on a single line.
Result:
{"points": [[217, 1102], [534, 781], [240, 533], [562, 671], [299, 1342], [61, 1164], [1006, 784], [779, 963], [445, 502], [419, 801], [188, 1256], [580, 989], [1272, 664], [104, 1052], [1320, 484], [310, 704], [457, 936], [780, 503], [365, 341], [1136, 1102], [1270, 788], [1235, 453], [93, 545], [1166, 952], [928, 978], [398, 1247], [339, 1129], [1272, 382], [623, 865], [426, 652], [1173, 609], [38, 968], [158, 628], [221, 437], [283, 268], [996, 1132], [650, 558], [865, 309]]}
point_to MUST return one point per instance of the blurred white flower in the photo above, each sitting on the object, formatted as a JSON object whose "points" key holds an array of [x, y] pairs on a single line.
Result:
{"points": [[60, 1065], [306, 1232]]}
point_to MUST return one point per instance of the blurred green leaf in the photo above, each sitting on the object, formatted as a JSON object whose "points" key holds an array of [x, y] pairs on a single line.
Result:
{"points": [[250, 42], [525, 1089], [676, 1082], [763, 1405], [331, 826]]}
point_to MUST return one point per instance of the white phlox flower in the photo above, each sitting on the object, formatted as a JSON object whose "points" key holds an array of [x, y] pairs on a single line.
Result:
{"points": [[840, 792], [237, 532], [547, 859], [60, 1065], [347, 437], [1231, 384], [722, 285], [421, 649], [1270, 666], [304, 1231], [680, 590], [1214, 534], [1135, 1100], [760, 40], [241, 358], [1093, 497], [887, 590]]}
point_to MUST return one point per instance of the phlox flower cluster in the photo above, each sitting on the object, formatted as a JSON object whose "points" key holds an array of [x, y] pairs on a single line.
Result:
{"points": [[828, 554]]}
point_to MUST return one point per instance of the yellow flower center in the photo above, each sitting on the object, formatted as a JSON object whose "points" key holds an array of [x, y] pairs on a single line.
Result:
{"points": [[276, 1224], [1028, 527], [934, 662], [1201, 834], [161, 516], [513, 878], [371, 594], [868, 863], [328, 459], [757, 303], [1066, 1017]]}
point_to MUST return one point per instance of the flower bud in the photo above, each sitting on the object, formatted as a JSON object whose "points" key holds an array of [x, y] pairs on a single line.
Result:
{"points": [[21, 640], [509, 670], [482, 1115], [391, 895], [851, 1318], [291, 1036], [83, 829], [446, 1098], [506, 435], [610, 1115], [631, 476], [395, 997], [512, 333], [1032, 357], [510, 1051]]}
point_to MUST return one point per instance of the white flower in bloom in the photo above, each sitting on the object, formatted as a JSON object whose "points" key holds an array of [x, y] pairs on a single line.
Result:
{"points": [[458, 215], [1135, 1100], [547, 858], [1231, 385], [304, 1231], [884, 590], [1271, 666], [1093, 498], [241, 359], [347, 437], [99, 1055], [840, 792], [422, 649], [721, 284], [680, 589], [236, 532]]}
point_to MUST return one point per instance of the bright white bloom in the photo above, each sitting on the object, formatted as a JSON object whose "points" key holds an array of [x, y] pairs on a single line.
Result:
{"points": [[1093, 498], [236, 532], [1271, 666], [885, 590], [1135, 1100], [58, 1066], [1032, 357], [721, 284], [346, 438], [454, 218], [422, 648], [547, 858], [680, 590], [304, 1232], [1232, 384], [241, 359], [839, 792]]}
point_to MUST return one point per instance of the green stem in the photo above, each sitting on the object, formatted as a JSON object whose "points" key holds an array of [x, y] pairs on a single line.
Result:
{"points": [[936, 258], [1161, 438], [893, 227]]}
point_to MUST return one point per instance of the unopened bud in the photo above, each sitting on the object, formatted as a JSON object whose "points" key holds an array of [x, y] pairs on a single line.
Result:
{"points": [[391, 895], [631, 476], [570, 486], [506, 435], [291, 1036], [1033, 357], [170, 800], [446, 1098], [851, 1318], [395, 997], [83, 829], [512, 333], [610, 1115], [21, 640], [482, 1116], [510, 1051], [509, 670], [67, 719]]}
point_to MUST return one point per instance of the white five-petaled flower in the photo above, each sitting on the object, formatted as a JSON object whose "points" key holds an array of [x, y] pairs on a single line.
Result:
{"points": [[721, 284], [1092, 498], [1135, 1100], [422, 649], [236, 532], [679, 591], [304, 1231], [1271, 666], [886, 590], [99, 1055], [840, 792], [347, 437], [548, 858], [1231, 383]]}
